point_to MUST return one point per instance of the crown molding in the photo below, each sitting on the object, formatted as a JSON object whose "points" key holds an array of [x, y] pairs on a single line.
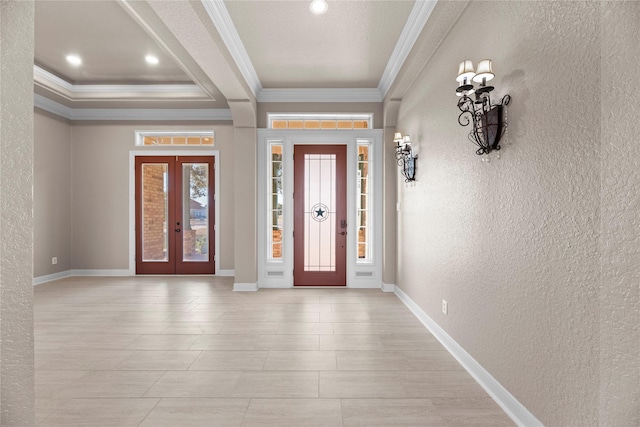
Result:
{"points": [[415, 23], [73, 92], [129, 114], [221, 19], [320, 95]]}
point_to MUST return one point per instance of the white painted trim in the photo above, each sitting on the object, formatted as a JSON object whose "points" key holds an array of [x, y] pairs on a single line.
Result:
{"points": [[163, 114], [226, 273], [48, 79], [50, 277], [105, 273], [415, 23], [289, 138], [363, 285], [245, 287], [132, 196], [388, 287], [514, 409], [275, 286], [320, 95], [221, 19]]}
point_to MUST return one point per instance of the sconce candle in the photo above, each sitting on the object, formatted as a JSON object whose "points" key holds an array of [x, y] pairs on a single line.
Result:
{"points": [[487, 118], [405, 156]]}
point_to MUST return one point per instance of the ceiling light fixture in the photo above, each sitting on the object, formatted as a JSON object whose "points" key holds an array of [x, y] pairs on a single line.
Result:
{"points": [[151, 60], [318, 7], [74, 60]]}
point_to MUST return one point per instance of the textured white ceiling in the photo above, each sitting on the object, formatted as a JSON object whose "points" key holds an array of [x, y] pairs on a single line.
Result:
{"points": [[347, 47], [111, 44]]}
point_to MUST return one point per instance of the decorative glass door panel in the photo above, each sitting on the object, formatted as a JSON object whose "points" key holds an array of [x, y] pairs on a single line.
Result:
{"points": [[155, 212], [319, 213], [174, 212], [320, 226], [195, 215]]}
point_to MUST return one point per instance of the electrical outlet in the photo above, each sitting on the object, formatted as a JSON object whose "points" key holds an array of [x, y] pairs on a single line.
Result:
{"points": [[445, 307], [54, 260]]}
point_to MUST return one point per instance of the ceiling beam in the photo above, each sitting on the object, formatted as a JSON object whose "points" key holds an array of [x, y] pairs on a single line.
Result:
{"points": [[143, 14], [191, 26]]}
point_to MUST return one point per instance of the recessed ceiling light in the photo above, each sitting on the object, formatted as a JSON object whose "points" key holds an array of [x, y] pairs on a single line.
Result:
{"points": [[318, 7], [74, 60], [151, 60]]}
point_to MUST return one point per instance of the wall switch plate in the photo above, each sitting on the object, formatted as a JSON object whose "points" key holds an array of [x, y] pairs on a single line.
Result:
{"points": [[445, 307], [54, 260]]}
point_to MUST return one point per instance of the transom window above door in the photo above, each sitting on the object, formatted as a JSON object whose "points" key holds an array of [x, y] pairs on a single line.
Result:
{"points": [[173, 138], [320, 121]]}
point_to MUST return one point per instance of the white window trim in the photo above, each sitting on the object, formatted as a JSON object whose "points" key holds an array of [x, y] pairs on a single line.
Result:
{"points": [[280, 274], [141, 134], [132, 198], [371, 198], [368, 117]]}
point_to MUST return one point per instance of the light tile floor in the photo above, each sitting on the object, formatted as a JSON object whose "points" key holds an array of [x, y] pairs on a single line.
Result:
{"points": [[180, 351]]}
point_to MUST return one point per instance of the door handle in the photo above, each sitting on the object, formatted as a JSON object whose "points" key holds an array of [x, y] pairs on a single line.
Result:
{"points": [[343, 233], [177, 230]]}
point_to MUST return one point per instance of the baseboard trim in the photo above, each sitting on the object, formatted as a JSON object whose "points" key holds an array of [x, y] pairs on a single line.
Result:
{"points": [[73, 273], [106, 273], [275, 286], [95, 273], [388, 287], [509, 404], [245, 287], [50, 277], [363, 285]]}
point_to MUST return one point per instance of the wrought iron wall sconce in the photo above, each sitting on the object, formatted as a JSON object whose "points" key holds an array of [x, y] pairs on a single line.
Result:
{"points": [[406, 156], [487, 118]]}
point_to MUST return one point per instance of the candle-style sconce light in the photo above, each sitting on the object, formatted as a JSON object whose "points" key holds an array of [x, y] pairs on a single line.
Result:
{"points": [[487, 118], [405, 156]]}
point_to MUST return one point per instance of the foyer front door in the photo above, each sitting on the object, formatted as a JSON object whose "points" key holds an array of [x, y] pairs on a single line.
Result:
{"points": [[320, 215]]}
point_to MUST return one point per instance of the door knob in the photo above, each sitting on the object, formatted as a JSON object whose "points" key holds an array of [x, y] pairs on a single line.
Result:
{"points": [[177, 230], [344, 233]]}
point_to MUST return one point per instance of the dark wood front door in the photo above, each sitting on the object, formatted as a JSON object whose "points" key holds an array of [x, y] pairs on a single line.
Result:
{"points": [[174, 215], [320, 215]]}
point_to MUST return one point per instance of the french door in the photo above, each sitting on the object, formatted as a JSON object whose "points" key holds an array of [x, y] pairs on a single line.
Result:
{"points": [[320, 215], [174, 214]]}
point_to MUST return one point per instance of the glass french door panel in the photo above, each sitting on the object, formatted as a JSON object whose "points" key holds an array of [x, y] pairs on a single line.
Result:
{"points": [[155, 212], [320, 219], [195, 212]]}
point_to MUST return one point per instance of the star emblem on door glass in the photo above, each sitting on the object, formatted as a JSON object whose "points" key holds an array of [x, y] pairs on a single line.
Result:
{"points": [[319, 212]]}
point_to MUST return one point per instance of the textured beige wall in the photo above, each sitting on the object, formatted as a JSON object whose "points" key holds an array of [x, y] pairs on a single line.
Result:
{"points": [[246, 266], [16, 208], [620, 291], [513, 244], [52, 194], [101, 191]]}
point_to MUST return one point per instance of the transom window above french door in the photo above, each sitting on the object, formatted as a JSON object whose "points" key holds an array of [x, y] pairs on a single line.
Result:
{"points": [[320, 121]]}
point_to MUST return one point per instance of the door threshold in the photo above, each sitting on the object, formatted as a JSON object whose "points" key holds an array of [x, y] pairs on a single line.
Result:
{"points": [[319, 286]]}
